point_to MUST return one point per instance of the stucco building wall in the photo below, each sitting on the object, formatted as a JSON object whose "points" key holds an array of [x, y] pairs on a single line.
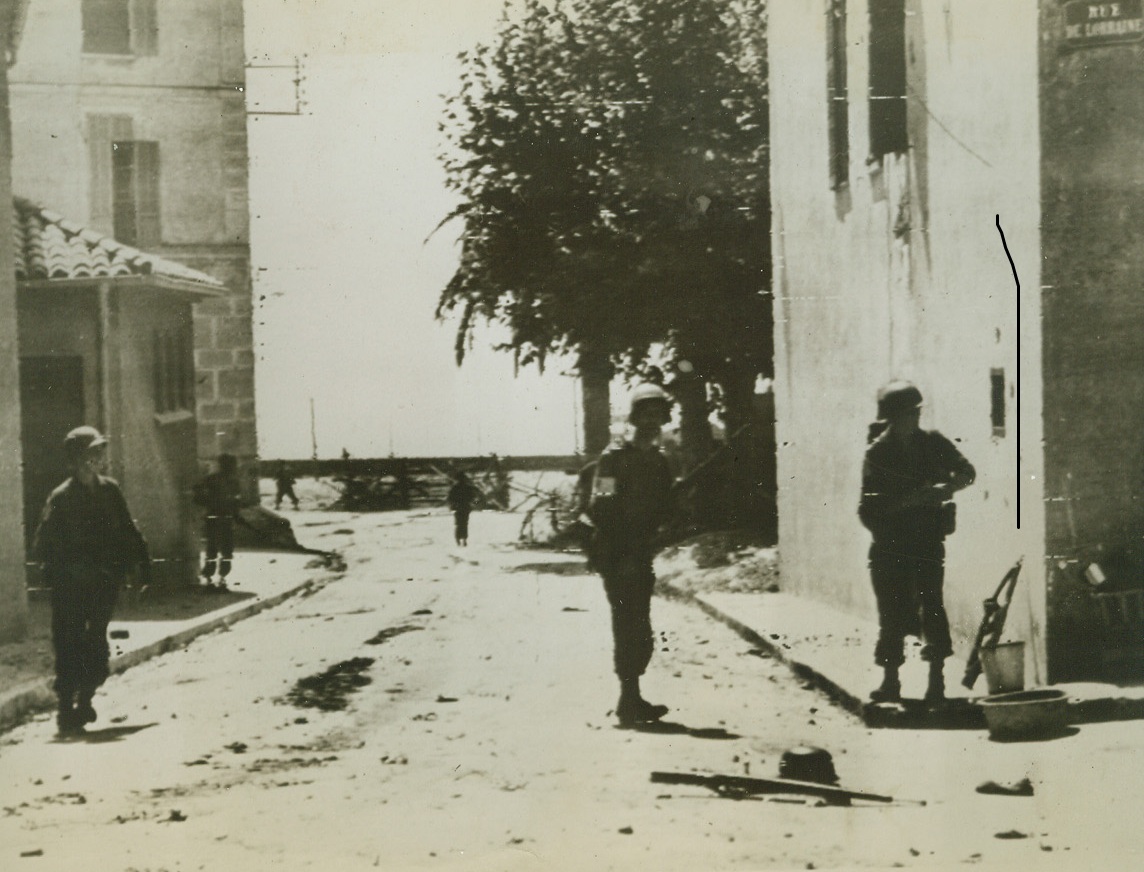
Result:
{"points": [[13, 597], [900, 272], [189, 98], [153, 456]]}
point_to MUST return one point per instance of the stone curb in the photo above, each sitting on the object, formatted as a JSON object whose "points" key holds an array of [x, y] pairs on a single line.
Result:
{"points": [[837, 694], [32, 697], [965, 714]]}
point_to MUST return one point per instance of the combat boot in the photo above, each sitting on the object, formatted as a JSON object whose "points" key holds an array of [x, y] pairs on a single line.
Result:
{"points": [[633, 709], [891, 688], [68, 721], [84, 713], [935, 689]]}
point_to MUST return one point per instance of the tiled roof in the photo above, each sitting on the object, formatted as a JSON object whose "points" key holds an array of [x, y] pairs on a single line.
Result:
{"points": [[48, 246]]}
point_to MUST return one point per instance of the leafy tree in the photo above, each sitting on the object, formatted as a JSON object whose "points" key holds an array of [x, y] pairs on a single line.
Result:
{"points": [[610, 158]]}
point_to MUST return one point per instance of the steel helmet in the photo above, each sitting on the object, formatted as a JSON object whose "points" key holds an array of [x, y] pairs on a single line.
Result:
{"points": [[82, 438], [650, 393], [896, 397]]}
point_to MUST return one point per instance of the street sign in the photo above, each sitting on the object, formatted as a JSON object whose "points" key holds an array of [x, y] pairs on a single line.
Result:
{"points": [[1088, 25]]}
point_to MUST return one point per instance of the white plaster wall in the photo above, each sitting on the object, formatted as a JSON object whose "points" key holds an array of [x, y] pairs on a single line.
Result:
{"points": [[855, 306]]}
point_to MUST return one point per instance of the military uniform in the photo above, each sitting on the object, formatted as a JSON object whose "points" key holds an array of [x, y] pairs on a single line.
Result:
{"points": [[221, 495], [87, 542], [907, 482], [631, 499]]}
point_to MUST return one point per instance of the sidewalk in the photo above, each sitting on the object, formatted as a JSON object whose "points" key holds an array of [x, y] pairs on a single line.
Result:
{"points": [[144, 629], [833, 651]]}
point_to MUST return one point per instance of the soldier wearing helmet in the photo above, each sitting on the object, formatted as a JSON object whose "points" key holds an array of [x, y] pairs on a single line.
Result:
{"points": [[87, 543], [908, 480], [630, 500]]}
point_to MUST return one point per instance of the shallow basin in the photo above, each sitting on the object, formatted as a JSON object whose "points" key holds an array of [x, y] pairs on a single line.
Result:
{"points": [[1026, 714]]}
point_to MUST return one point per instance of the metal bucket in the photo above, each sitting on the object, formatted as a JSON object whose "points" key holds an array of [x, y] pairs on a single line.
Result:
{"points": [[1004, 667]]}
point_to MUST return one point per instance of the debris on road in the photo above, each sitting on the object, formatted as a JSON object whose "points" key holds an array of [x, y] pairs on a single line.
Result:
{"points": [[387, 634], [1018, 788], [328, 690]]}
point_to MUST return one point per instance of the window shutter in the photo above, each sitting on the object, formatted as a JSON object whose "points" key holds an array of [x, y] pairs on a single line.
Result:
{"points": [[102, 130], [144, 28], [106, 27], [888, 132], [126, 230], [149, 230]]}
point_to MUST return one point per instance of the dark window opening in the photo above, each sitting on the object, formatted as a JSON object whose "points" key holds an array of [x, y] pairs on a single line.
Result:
{"points": [[997, 401], [172, 370], [887, 77], [838, 119], [135, 192]]}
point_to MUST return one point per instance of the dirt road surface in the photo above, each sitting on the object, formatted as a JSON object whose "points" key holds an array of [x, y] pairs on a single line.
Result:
{"points": [[449, 709]]}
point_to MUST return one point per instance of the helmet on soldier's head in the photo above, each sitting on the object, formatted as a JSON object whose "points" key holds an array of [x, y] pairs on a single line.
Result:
{"points": [[650, 393], [82, 438], [897, 397]]}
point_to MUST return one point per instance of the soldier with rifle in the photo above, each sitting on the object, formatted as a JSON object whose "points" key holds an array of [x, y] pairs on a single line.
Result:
{"points": [[630, 499]]}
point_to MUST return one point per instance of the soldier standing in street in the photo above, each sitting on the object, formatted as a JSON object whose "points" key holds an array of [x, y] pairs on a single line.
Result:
{"points": [[908, 479], [220, 493], [284, 485], [461, 497], [630, 500], [87, 543]]}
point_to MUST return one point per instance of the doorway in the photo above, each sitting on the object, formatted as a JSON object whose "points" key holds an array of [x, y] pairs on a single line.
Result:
{"points": [[51, 404]]}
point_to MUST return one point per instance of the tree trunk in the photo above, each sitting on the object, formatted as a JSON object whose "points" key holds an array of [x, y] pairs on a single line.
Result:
{"points": [[596, 373], [695, 440], [744, 495]]}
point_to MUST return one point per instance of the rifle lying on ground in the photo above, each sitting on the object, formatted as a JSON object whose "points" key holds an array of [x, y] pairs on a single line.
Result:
{"points": [[992, 624], [739, 787]]}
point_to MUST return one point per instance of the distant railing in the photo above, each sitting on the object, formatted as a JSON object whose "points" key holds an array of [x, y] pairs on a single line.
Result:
{"points": [[396, 466]]}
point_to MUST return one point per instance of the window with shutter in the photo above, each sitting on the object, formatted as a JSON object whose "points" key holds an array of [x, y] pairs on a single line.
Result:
{"points": [[144, 27], [102, 131], [838, 117], [120, 27], [106, 27], [888, 131], [172, 372], [135, 192]]}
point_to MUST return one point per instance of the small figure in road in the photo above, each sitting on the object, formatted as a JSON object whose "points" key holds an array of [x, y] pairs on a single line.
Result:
{"points": [[88, 543], [908, 479], [461, 497], [284, 483], [631, 498], [220, 494]]}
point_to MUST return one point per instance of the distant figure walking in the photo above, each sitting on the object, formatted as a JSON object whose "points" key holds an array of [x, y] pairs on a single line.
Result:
{"points": [[220, 494], [909, 477], [631, 499], [461, 497], [87, 543], [284, 483]]}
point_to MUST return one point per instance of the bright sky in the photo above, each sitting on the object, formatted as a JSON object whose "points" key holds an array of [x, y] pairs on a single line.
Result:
{"points": [[343, 198]]}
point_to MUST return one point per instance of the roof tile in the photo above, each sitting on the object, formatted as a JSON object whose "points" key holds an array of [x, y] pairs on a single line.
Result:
{"points": [[49, 246]]}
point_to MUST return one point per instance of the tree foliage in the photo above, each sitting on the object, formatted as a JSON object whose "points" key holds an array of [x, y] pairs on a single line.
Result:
{"points": [[610, 161]]}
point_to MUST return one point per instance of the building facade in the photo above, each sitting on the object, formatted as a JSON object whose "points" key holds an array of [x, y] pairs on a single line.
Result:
{"points": [[13, 594], [106, 336], [129, 117], [926, 158]]}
